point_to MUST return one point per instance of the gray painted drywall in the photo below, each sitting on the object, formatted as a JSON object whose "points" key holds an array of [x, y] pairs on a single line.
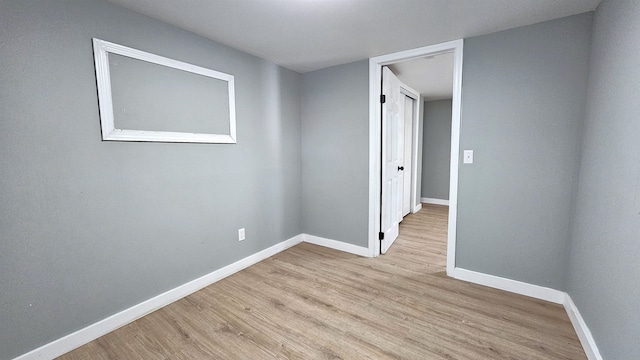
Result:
{"points": [[89, 228], [149, 96], [436, 149], [523, 96], [604, 269], [335, 153]]}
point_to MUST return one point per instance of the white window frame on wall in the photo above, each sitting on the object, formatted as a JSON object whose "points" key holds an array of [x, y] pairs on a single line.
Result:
{"points": [[101, 50]]}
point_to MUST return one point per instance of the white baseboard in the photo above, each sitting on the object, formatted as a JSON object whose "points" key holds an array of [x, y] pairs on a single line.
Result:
{"points": [[584, 334], [102, 327], [514, 286], [417, 208], [539, 292], [113, 322], [435, 201], [337, 245]]}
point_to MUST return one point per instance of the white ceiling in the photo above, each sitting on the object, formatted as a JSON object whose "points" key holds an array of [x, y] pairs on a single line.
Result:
{"points": [[305, 35], [432, 77]]}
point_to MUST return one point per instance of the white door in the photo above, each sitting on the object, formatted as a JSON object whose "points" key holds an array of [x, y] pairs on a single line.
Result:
{"points": [[392, 128], [400, 141], [407, 172]]}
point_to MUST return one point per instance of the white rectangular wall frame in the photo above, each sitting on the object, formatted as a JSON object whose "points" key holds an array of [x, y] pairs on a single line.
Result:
{"points": [[102, 48]]}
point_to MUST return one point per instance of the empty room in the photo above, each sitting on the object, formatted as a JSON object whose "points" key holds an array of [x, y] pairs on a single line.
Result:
{"points": [[249, 179]]}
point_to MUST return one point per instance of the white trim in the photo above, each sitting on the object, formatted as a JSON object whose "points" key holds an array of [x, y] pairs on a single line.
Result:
{"points": [[102, 48], [375, 74], [415, 127], [514, 286], [584, 334], [417, 208], [113, 322], [167, 136], [337, 245], [409, 91], [435, 201], [416, 153], [456, 122]]}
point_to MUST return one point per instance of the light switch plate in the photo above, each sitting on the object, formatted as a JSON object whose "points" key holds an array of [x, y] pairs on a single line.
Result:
{"points": [[468, 157]]}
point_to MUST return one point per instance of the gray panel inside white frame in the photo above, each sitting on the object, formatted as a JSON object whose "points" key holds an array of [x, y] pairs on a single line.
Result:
{"points": [[146, 97]]}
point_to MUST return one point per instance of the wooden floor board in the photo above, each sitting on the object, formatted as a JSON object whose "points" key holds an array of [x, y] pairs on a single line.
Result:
{"points": [[310, 302]]}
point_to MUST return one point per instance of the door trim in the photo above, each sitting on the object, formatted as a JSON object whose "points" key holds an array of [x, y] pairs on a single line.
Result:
{"points": [[375, 132], [415, 127]]}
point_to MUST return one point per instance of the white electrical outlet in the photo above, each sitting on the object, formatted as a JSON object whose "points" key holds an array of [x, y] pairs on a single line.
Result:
{"points": [[240, 234], [468, 157]]}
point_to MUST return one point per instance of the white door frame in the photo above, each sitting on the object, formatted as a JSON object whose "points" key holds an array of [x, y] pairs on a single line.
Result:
{"points": [[375, 132], [415, 126]]}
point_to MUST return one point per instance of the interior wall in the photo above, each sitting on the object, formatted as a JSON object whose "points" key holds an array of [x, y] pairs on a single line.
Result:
{"points": [[605, 248], [335, 158], [523, 101], [436, 149], [89, 228]]}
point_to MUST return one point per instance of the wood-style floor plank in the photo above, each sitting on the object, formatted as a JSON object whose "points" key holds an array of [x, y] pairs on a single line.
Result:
{"points": [[310, 302]]}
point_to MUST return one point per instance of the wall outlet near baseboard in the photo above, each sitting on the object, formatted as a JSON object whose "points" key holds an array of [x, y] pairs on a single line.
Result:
{"points": [[240, 234]]}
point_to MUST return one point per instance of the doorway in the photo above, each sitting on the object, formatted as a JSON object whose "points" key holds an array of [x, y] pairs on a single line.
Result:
{"points": [[375, 147]]}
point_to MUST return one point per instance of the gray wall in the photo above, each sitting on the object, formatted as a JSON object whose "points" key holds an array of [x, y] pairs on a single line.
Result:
{"points": [[89, 228], [604, 267], [524, 94], [335, 153], [436, 149], [149, 96]]}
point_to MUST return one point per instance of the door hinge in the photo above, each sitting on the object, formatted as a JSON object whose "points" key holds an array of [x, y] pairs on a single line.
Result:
{"points": [[381, 236], [383, 99]]}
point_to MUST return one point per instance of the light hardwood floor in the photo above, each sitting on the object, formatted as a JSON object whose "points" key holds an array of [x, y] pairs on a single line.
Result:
{"points": [[310, 302]]}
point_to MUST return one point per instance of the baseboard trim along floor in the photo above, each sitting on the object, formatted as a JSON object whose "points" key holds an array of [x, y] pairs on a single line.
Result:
{"points": [[102, 327], [518, 287], [434, 201], [337, 245], [584, 334], [538, 292], [113, 322]]}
